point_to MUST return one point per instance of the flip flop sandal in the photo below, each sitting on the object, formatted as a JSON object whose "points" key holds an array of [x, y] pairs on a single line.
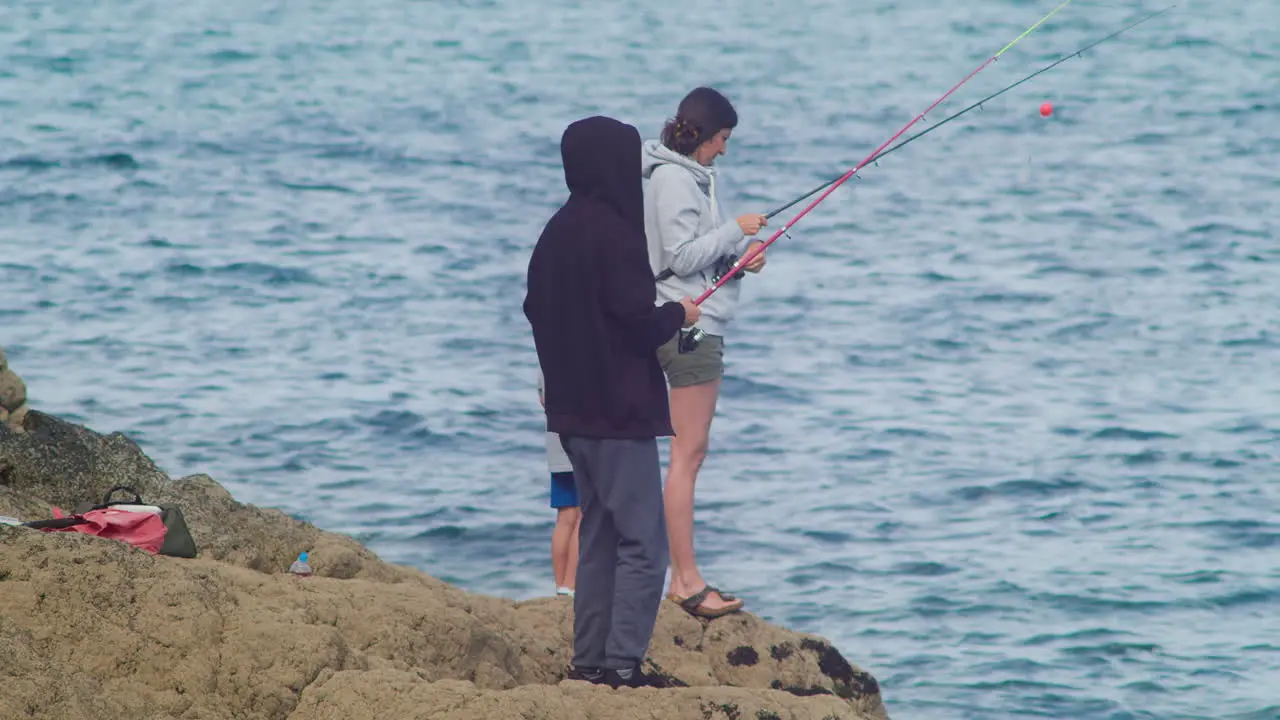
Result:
{"points": [[723, 595], [693, 603], [705, 591]]}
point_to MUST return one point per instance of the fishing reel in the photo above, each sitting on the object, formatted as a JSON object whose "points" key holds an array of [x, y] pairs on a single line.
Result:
{"points": [[689, 339], [724, 266]]}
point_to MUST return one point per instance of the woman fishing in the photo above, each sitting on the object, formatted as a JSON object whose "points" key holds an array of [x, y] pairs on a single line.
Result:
{"points": [[689, 237]]}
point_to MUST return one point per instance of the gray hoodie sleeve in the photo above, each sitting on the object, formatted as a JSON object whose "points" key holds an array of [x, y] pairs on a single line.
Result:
{"points": [[740, 247], [676, 202]]}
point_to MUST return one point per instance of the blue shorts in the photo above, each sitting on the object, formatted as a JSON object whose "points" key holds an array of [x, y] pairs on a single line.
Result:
{"points": [[564, 493]]}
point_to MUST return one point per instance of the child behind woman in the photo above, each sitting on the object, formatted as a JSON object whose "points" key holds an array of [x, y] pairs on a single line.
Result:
{"points": [[564, 498]]}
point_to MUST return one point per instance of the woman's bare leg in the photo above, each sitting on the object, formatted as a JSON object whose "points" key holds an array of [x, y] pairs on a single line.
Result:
{"points": [[692, 409]]}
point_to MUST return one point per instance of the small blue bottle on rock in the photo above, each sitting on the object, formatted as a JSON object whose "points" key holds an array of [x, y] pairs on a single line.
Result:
{"points": [[300, 566]]}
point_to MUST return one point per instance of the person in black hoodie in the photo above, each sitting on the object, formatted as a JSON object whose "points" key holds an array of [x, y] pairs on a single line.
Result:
{"points": [[591, 303]]}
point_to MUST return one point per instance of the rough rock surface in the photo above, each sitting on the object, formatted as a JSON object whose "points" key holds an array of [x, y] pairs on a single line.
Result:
{"points": [[13, 395], [93, 628]]}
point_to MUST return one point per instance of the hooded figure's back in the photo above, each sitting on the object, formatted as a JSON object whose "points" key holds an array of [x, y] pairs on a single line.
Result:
{"points": [[591, 294]]}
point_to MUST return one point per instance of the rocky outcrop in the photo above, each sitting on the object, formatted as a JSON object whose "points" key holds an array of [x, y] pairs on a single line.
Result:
{"points": [[13, 395], [50, 462], [93, 628]]}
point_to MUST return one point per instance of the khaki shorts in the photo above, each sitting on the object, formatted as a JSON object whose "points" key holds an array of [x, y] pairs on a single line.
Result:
{"points": [[703, 365]]}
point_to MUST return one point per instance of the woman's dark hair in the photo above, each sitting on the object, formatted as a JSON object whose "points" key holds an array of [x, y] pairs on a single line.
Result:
{"points": [[702, 113]]}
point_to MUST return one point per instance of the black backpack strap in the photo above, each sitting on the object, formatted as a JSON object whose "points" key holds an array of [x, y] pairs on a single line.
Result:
{"points": [[56, 523], [106, 499]]}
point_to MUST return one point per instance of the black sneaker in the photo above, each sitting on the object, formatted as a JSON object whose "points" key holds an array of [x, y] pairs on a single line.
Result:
{"points": [[596, 676], [633, 677]]}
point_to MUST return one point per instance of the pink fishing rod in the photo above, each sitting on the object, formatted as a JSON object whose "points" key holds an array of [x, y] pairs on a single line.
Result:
{"points": [[745, 259]]}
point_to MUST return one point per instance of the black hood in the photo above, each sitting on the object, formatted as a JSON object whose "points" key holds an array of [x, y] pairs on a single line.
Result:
{"points": [[602, 163]]}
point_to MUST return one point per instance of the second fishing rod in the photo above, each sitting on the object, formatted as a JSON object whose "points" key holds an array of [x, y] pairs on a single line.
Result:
{"points": [[734, 264]]}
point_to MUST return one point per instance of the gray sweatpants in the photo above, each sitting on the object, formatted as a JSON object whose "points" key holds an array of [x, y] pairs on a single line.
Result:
{"points": [[622, 550]]}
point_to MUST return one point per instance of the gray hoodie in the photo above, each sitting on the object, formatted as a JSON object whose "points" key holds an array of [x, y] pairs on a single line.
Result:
{"points": [[688, 233]]}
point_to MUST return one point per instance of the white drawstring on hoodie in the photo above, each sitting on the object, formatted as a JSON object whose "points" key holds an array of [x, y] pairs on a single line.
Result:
{"points": [[715, 205]]}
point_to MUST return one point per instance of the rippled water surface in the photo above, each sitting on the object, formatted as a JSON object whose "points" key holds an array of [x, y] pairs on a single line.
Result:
{"points": [[1002, 420]]}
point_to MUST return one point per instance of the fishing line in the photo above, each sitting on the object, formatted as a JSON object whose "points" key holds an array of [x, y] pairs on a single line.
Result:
{"points": [[690, 339], [980, 103], [977, 105]]}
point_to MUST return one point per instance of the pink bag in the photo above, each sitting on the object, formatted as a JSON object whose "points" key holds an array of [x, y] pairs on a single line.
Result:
{"points": [[140, 529]]}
